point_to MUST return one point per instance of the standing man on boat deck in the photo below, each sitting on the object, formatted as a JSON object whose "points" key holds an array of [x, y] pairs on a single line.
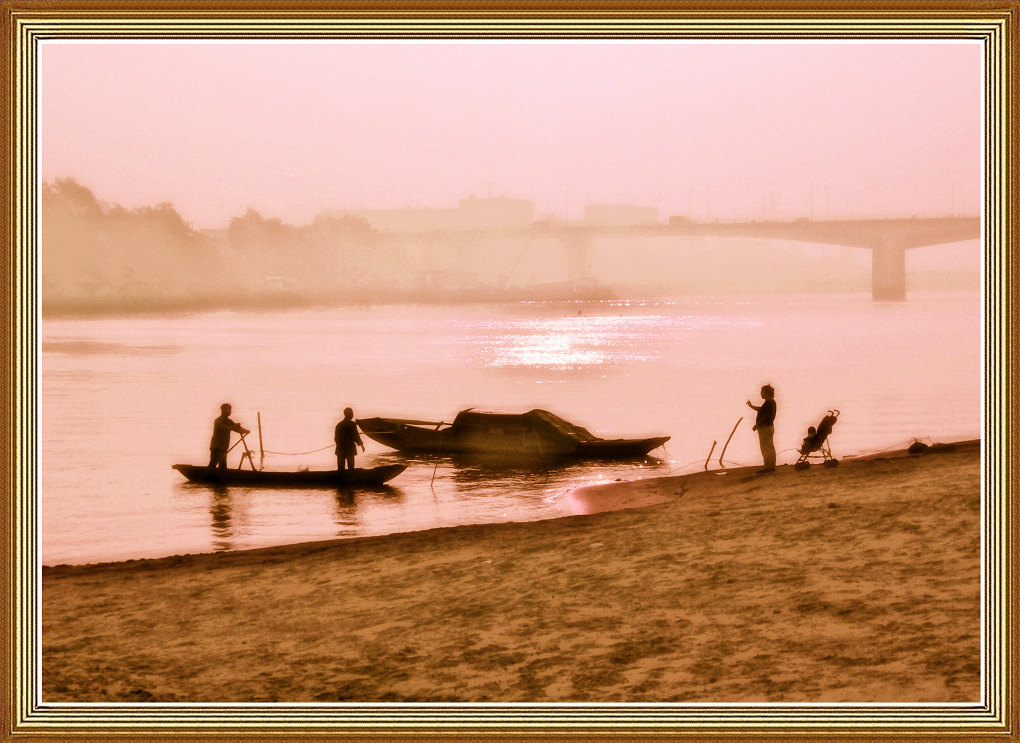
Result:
{"points": [[220, 442], [764, 424], [347, 440]]}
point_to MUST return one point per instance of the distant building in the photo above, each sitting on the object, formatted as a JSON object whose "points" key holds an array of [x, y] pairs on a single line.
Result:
{"points": [[620, 215], [497, 213]]}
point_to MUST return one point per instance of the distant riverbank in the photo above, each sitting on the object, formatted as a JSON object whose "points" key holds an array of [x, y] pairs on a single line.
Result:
{"points": [[101, 305], [110, 304], [859, 583]]}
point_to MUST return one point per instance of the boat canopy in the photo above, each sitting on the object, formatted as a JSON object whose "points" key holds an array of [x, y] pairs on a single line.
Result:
{"points": [[541, 421]]}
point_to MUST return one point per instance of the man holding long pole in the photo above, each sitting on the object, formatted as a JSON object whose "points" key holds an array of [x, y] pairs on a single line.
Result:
{"points": [[220, 442]]}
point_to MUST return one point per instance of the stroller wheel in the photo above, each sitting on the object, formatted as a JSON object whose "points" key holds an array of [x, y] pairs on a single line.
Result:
{"points": [[831, 462], [802, 465]]}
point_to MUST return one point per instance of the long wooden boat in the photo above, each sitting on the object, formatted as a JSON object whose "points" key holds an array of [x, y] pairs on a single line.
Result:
{"points": [[303, 479], [537, 433]]}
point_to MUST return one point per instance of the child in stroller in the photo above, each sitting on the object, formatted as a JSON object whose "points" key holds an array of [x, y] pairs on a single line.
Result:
{"points": [[818, 440]]}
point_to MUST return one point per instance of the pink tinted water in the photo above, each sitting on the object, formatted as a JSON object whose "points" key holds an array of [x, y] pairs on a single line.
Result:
{"points": [[124, 398]]}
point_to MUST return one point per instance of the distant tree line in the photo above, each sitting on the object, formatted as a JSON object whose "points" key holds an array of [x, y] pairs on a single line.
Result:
{"points": [[100, 257], [103, 257]]}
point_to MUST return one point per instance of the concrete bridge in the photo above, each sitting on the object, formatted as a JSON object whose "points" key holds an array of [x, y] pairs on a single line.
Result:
{"points": [[887, 239]]}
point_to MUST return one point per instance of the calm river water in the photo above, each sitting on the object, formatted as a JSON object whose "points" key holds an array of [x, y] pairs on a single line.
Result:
{"points": [[124, 398]]}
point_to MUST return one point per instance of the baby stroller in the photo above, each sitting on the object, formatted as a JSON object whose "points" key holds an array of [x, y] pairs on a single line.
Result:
{"points": [[818, 440]]}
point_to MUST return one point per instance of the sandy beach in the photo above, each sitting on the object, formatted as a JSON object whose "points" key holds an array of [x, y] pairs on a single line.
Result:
{"points": [[858, 583]]}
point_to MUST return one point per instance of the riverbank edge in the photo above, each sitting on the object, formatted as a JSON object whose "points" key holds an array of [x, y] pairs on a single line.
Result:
{"points": [[666, 484]]}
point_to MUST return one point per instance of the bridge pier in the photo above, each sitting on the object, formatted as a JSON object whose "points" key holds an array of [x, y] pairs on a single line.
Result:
{"points": [[888, 272]]}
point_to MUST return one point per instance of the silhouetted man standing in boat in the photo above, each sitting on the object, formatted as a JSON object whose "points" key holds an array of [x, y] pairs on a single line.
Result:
{"points": [[220, 442], [347, 440], [764, 424]]}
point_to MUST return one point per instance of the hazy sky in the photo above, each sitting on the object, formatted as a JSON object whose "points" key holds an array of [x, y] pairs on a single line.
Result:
{"points": [[742, 130]]}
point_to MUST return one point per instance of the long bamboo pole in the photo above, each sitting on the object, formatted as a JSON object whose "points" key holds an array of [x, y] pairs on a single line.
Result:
{"points": [[262, 452]]}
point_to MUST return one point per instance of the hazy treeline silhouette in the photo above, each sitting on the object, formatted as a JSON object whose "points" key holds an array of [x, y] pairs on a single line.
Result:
{"points": [[105, 257], [99, 257]]}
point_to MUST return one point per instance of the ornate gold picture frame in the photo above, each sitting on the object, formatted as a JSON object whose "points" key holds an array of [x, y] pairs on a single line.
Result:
{"points": [[26, 23]]}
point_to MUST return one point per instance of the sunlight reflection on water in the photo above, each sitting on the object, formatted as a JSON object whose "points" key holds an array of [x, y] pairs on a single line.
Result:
{"points": [[113, 419], [570, 343]]}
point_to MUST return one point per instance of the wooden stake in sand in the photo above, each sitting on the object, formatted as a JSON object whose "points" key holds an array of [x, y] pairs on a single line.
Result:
{"points": [[728, 442], [709, 457]]}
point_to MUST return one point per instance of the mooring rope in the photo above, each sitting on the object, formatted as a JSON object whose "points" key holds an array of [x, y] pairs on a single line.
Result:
{"points": [[299, 453]]}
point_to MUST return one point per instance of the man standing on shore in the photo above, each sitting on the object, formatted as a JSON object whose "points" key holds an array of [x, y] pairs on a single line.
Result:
{"points": [[764, 424], [347, 439], [220, 442]]}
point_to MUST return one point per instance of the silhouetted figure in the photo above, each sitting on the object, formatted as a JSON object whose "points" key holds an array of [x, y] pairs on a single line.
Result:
{"points": [[220, 442], [764, 424], [347, 440]]}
